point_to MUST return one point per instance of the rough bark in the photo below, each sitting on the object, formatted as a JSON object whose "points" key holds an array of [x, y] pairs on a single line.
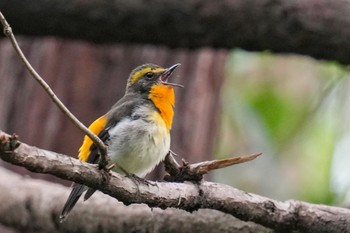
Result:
{"points": [[30, 205], [89, 79], [319, 28], [281, 216]]}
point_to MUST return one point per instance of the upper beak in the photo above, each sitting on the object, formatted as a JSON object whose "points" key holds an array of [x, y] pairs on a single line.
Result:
{"points": [[164, 77]]}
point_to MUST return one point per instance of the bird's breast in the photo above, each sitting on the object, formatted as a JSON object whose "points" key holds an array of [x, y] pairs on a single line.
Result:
{"points": [[138, 144]]}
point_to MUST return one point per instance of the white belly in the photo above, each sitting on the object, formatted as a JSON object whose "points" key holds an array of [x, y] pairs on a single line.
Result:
{"points": [[138, 145]]}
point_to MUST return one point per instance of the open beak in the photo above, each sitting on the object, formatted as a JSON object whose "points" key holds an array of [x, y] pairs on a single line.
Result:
{"points": [[167, 73]]}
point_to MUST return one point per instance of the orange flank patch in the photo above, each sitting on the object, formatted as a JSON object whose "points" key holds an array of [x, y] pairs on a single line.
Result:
{"points": [[96, 127], [163, 98]]}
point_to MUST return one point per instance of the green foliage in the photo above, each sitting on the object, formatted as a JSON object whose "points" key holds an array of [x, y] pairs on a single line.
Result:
{"points": [[318, 145], [279, 113], [288, 108]]}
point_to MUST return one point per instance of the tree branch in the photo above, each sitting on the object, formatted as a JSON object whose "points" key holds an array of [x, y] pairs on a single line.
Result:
{"points": [[30, 205], [103, 149], [280, 216], [317, 28]]}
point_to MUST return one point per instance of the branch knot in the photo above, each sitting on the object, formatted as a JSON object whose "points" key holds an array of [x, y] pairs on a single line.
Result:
{"points": [[8, 143]]}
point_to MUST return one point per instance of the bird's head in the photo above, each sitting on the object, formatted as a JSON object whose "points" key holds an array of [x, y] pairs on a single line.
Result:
{"points": [[144, 77]]}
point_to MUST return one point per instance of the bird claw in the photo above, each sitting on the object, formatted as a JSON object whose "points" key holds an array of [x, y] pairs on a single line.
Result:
{"points": [[138, 180], [142, 180]]}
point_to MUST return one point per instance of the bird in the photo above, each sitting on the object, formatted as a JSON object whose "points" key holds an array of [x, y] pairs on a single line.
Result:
{"points": [[136, 129]]}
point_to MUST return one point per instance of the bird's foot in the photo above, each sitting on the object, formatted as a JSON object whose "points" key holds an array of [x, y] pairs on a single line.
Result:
{"points": [[140, 180]]}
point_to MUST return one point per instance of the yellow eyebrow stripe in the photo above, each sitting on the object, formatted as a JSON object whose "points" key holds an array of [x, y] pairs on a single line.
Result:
{"points": [[96, 127], [140, 73]]}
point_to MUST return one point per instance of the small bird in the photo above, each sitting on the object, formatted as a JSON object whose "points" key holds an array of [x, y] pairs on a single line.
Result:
{"points": [[136, 129]]}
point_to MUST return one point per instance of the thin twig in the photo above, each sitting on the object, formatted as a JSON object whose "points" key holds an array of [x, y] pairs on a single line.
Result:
{"points": [[207, 166], [194, 172], [8, 33]]}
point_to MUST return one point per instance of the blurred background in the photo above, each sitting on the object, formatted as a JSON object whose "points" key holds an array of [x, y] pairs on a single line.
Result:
{"points": [[293, 109]]}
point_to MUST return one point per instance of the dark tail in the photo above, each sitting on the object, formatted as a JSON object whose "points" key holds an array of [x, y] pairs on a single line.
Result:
{"points": [[74, 196]]}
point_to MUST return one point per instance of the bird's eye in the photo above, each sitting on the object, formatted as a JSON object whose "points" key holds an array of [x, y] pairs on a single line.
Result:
{"points": [[149, 75]]}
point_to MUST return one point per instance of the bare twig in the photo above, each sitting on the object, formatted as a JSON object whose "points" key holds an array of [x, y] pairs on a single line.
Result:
{"points": [[8, 32], [207, 166], [194, 172]]}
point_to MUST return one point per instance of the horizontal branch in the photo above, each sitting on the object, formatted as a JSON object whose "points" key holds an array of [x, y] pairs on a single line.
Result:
{"points": [[317, 28], [278, 215], [30, 205]]}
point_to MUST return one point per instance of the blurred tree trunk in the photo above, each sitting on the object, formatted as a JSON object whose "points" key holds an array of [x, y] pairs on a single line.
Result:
{"points": [[320, 28], [90, 78]]}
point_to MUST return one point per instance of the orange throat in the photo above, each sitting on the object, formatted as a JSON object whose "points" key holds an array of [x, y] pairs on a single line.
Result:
{"points": [[163, 98]]}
